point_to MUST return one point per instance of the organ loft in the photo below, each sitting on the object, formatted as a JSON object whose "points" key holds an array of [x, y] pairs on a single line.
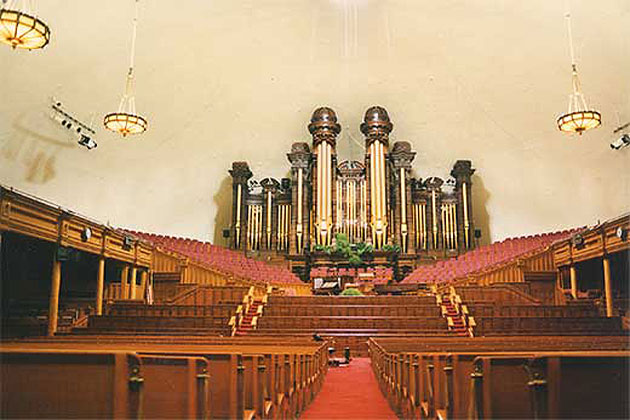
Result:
{"points": [[406, 221]]}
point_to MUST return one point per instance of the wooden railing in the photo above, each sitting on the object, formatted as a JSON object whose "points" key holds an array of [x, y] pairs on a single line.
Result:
{"points": [[114, 292]]}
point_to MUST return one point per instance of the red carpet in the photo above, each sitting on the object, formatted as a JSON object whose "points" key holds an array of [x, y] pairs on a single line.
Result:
{"points": [[349, 393]]}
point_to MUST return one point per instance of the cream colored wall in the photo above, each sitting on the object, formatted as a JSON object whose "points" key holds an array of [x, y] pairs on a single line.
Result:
{"points": [[226, 80]]}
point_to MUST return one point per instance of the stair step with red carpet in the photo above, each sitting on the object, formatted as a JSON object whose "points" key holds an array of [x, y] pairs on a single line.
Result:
{"points": [[246, 322]]}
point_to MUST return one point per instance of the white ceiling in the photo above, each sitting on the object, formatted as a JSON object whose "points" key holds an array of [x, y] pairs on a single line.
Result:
{"points": [[226, 80]]}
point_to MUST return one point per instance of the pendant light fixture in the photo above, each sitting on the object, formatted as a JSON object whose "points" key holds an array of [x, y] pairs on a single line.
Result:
{"points": [[20, 28], [579, 118], [125, 120]]}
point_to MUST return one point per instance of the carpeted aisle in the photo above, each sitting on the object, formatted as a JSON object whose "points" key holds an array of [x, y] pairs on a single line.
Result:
{"points": [[349, 393]]}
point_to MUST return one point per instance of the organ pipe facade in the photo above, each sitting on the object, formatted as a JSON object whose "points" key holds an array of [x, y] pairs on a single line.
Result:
{"points": [[376, 201]]}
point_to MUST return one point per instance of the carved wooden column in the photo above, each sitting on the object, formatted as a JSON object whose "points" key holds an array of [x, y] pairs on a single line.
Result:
{"points": [[100, 285], [462, 172], [124, 276], [401, 158], [132, 282], [143, 283], [55, 286], [607, 286], [300, 158], [324, 129], [240, 173], [376, 127], [574, 281]]}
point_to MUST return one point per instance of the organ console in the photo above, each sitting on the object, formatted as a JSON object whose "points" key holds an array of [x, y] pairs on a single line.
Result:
{"points": [[376, 201]]}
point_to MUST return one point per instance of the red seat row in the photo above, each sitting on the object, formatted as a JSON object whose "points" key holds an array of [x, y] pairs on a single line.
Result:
{"points": [[483, 258], [222, 259]]}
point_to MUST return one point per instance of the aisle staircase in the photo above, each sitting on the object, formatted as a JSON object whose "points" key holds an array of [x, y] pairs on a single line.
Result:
{"points": [[454, 312], [248, 322], [450, 310]]}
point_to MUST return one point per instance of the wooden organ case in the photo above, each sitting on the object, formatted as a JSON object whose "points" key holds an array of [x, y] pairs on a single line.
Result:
{"points": [[376, 201]]}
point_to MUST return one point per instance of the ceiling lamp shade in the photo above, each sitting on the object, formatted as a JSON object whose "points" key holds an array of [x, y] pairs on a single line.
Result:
{"points": [[579, 118], [21, 29], [126, 121]]}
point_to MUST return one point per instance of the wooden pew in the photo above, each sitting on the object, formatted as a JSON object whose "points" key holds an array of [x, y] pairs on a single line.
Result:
{"points": [[430, 385], [65, 384], [562, 385], [241, 384], [175, 387]]}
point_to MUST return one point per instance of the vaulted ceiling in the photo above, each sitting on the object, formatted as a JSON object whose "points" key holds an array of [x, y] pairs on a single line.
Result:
{"points": [[227, 80]]}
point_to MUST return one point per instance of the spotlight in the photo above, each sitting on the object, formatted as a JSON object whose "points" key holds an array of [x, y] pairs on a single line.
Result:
{"points": [[621, 142], [84, 132], [87, 142]]}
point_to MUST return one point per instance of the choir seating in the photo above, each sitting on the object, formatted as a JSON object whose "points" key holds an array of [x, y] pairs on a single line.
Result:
{"points": [[223, 259], [484, 258]]}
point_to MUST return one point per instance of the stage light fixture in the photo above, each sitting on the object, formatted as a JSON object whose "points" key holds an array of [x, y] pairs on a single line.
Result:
{"points": [[126, 121], [20, 28], [87, 142], [579, 118]]}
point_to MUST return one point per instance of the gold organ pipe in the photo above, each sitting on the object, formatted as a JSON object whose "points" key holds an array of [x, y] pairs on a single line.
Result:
{"points": [[281, 219], [329, 219], [255, 227], [444, 221], [260, 226], [423, 216], [373, 193], [403, 210], [379, 202], [320, 191], [453, 231], [249, 227], [364, 210], [326, 193], [287, 233], [339, 220], [287, 215], [434, 214], [299, 212], [416, 223], [466, 221], [383, 194], [238, 215], [269, 216], [455, 224], [450, 225]]}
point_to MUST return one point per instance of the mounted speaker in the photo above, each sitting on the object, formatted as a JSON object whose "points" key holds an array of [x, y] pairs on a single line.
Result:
{"points": [[86, 234], [226, 233], [578, 241], [127, 242], [622, 233], [477, 233]]}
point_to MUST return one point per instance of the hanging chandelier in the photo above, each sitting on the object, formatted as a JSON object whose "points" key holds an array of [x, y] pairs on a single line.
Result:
{"points": [[19, 27], [579, 118], [126, 121]]}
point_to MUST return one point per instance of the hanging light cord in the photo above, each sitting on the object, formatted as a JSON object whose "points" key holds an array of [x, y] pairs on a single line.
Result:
{"points": [[576, 83], [128, 98]]}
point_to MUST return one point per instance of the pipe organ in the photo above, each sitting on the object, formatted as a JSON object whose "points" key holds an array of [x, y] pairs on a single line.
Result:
{"points": [[376, 201]]}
